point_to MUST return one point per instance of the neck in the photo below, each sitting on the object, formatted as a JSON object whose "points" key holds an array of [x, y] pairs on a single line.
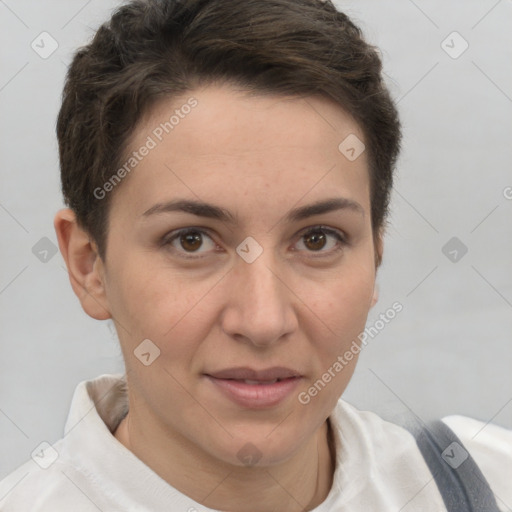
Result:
{"points": [[299, 484]]}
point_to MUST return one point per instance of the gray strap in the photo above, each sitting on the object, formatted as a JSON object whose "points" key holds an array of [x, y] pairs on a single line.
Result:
{"points": [[459, 479]]}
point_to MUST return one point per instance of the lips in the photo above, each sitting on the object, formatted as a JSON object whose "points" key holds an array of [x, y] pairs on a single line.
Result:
{"points": [[255, 389], [268, 375]]}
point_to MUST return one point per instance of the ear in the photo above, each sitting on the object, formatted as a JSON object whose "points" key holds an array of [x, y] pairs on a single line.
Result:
{"points": [[375, 296], [85, 267]]}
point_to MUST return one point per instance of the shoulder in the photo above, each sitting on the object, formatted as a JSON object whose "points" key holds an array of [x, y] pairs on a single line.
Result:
{"points": [[491, 447], [379, 464], [40, 484], [375, 432], [62, 476], [50, 484], [388, 451]]}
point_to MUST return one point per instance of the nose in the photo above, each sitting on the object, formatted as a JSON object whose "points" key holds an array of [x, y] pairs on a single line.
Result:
{"points": [[261, 305]]}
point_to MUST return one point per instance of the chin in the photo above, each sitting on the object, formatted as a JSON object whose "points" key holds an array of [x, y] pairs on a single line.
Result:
{"points": [[261, 447]]}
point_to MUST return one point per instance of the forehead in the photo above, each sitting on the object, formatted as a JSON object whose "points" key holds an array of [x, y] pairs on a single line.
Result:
{"points": [[219, 140], [244, 121]]}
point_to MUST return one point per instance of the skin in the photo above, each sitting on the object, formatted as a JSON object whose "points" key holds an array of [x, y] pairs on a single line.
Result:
{"points": [[298, 305]]}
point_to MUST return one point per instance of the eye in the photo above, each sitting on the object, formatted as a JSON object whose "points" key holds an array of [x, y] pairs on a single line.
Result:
{"points": [[194, 243], [321, 239], [189, 241]]}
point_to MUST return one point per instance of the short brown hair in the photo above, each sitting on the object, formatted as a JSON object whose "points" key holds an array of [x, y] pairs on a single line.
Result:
{"points": [[151, 49]]}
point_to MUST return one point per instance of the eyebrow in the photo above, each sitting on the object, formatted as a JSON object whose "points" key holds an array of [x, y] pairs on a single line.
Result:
{"points": [[211, 211]]}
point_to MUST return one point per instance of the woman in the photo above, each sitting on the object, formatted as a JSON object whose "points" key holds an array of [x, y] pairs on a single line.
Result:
{"points": [[227, 167]]}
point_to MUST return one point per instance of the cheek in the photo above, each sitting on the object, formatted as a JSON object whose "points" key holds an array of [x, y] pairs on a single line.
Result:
{"points": [[147, 299], [345, 300], [166, 306], [343, 308], [336, 350]]}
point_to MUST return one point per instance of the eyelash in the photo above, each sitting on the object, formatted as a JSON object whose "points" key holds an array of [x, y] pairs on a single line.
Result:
{"points": [[340, 237]]}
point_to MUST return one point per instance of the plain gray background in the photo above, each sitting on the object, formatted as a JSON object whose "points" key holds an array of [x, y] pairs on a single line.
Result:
{"points": [[448, 352]]}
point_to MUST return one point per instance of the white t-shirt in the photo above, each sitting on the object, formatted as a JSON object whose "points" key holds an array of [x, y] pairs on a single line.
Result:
{"points": [[378, 464]]}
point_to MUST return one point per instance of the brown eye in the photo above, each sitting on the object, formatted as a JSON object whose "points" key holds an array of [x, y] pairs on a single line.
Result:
{"points": [[191, 241], [322, 240], [315, 240]]}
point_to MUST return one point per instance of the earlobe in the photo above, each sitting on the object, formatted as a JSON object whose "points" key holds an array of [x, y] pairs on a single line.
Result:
{"points": [[85, 267]]}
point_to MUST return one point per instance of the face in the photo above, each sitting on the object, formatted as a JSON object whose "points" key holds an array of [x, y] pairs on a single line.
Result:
{"points": [[254, 287]]}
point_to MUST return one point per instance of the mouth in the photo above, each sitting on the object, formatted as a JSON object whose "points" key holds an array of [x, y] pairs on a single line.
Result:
{"points": [[258, 382], [275, 373], [255, 389]]}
